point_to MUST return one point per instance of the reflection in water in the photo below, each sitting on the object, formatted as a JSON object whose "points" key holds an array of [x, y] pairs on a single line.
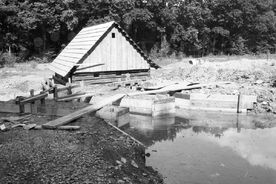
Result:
{"points": [[256, 146], [209, 149]]}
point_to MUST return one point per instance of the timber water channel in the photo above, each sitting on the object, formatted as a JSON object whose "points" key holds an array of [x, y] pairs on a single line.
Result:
{"points": [[201, 148]]}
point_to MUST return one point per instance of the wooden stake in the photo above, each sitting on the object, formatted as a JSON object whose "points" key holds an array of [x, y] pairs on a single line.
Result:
{"points": [[239, 103], [55, 92], [33, 109]]}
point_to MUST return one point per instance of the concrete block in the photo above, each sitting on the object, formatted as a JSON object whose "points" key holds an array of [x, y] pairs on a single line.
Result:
{"points": [[143, 122], [154, 105], [116, 115], [214, 102]]}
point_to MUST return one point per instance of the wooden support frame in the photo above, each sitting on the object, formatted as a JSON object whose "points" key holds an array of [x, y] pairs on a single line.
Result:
{"points": [[31, 100]]}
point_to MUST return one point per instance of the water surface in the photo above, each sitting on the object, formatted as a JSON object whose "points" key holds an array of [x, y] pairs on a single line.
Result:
{"points": [[203, 148]]}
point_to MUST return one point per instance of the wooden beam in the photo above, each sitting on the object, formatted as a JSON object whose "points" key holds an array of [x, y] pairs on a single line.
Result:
{"points": [[33, 98], [87, 66], [67, 87], [77, 114], [58, 80], [178, 87], [73, 96]]}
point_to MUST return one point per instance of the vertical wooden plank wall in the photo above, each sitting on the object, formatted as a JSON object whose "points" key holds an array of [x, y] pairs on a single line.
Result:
{"points": [[117, 54]]}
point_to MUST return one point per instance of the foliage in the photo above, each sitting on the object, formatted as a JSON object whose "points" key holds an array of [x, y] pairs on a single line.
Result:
{"points": [[193, 27], [8, 60]]}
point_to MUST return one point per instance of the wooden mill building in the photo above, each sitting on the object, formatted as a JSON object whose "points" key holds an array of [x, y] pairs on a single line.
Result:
{"points": [[98, 52]]}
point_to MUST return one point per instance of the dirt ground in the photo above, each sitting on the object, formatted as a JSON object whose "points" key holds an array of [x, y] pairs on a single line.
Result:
{"points": [[97, 153]]}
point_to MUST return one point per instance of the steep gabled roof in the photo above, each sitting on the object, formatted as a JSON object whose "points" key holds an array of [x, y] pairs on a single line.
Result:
{"points": [[84, 43]]}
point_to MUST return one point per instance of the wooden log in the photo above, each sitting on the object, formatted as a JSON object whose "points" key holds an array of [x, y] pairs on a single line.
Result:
{"points": [[77, 114]]}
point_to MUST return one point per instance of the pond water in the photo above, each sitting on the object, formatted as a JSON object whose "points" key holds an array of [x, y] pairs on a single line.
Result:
{"points": [[201, 148]]}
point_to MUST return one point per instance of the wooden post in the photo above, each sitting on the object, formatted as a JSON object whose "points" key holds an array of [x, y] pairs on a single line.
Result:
{"points": [[55, 92], [69, 89], [42, 100], [239, 105], [21, 106], [33, 108]]}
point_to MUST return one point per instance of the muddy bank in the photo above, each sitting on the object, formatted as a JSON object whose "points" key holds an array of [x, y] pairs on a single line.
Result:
{"points": [[95, 154]]}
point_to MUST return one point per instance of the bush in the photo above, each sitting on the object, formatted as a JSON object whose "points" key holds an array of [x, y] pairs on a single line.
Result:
{"points": [[33, 64], [40, 60], [8, 60]]}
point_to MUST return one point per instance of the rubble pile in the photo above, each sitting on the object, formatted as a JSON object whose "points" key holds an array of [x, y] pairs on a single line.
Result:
{"points": [[249, 77]]}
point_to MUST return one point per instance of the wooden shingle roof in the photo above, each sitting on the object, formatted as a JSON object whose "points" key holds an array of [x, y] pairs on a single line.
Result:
{"points": [[84, 43]]}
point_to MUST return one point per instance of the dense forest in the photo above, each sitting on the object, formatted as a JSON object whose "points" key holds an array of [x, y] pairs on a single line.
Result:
{"points": [[160, 27]]}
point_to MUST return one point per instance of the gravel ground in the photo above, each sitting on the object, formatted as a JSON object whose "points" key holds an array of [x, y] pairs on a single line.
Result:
{"points": [[95, 154]]}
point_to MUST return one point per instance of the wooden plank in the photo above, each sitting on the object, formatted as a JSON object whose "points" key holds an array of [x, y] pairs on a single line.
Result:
{"points": [[71, 54], [76, 59], [67, 59], [119, 50], [113, 51], [216, 102], [106, 76], [178, 87], [81, 46], [34, 98], [64, 62], [77, 114], [58, 80], [71, 95], [83, 36], [66, 88], [65, 66], [80, 78], [76, 97], [57, 70], [88, 66], [92, 31], [216, 97], [85, 44], [9, 107], [230, 110], [78, 51], [124, 53]]}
